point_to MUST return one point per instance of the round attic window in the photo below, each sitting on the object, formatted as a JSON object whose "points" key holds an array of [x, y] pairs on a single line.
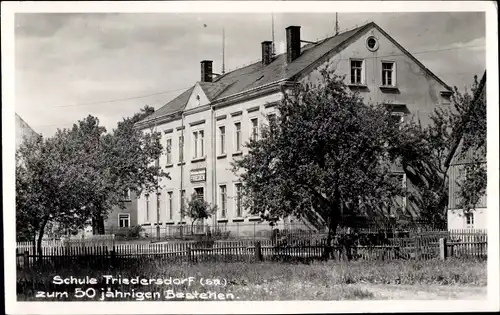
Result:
{"points": [[372, 43]]}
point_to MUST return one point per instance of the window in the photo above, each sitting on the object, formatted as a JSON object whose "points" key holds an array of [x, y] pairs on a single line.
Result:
{"points": [[202, 142], [356, 71], [223, 200], [147, 208], [255, 128], [222, 135], [469, 220], [198, 137], [126, 195], [238, 201], [124, 220], [169, 151], [195, 146], [397, 117], [199, 193], [388, 74], [170, 205], [271, 118], [237, 127], [462, 173], [181, 149], [372, 43]]}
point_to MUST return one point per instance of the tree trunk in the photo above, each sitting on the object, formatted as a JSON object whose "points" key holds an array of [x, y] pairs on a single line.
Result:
{"points": [[98, 225], [40, 237], [332, 230], [34, 243]]}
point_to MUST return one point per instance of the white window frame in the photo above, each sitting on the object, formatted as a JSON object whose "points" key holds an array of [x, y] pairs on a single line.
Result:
{"points": [[401, 118], [199, 144], [254, 132], [199, 187], [168, 150], [126, 195], [127, 219], [393, 73], [223, 200], [170, 205], [238, 207], [271, 116], [222, 139], [181, 148], [238, 139], [362, 71], [469, 220]]}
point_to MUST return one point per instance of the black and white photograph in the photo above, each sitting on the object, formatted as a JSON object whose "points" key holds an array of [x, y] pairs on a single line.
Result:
{"points": [[257, 157]]}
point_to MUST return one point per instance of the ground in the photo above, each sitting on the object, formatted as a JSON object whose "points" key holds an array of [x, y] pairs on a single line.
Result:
{"points": [[423, 292], [258, 281]]}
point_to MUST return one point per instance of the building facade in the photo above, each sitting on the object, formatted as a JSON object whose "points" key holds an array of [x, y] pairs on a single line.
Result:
{"points": [[22, 130], [119, 220], [205, 128]]}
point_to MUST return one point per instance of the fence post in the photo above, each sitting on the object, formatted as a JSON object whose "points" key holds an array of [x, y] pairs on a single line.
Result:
{"points": [[442, 249], [189, 253], [258, 251], [26, 259], [417, 247], [113, 260]]}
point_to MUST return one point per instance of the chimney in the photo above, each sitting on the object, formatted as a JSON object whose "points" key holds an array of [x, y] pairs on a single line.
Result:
{"points": [[267, 52], [206, 71], [292, 43]]}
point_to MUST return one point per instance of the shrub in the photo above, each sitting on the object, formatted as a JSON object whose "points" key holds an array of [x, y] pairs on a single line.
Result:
{"points": [[134, 231]]}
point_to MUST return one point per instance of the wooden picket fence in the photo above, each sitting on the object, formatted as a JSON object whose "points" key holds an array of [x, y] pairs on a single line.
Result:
{"points": [[463, 245]]}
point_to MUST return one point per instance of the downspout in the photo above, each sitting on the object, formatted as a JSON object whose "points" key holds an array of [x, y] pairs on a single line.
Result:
{"points": [[214, 166], [182, 174]]}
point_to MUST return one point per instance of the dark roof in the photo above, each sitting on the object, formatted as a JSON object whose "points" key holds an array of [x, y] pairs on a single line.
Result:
{"points": [[175, 105], [213, 89], [256, 74]]}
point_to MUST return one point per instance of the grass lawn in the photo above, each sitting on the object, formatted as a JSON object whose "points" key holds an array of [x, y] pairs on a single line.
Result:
{"points": [[333, 280]]}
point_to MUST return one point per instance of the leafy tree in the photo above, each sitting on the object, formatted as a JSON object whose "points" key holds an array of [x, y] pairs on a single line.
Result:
{"points": [[79, 174], [50, 185], [327, 155], [427, 151], [129, 155], [472, 151], [198, 209]]}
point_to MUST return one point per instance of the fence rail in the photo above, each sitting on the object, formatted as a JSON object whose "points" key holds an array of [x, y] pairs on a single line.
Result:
{"points": [[421, 247]]}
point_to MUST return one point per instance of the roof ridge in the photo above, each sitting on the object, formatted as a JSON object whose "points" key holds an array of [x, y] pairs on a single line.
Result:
{"points": [[321, 41]]}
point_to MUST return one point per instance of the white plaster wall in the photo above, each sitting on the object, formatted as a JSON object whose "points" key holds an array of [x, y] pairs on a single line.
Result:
{"points": [[418, 90], [456, 220]]}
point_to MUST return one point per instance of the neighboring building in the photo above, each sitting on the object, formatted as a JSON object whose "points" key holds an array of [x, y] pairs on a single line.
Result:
{"points": [[22, 130], [119, 220], [456, 217], [205, 128]]}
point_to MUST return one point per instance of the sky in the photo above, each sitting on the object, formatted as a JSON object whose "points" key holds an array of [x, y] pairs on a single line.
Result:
{"points": [[110, 65]]}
